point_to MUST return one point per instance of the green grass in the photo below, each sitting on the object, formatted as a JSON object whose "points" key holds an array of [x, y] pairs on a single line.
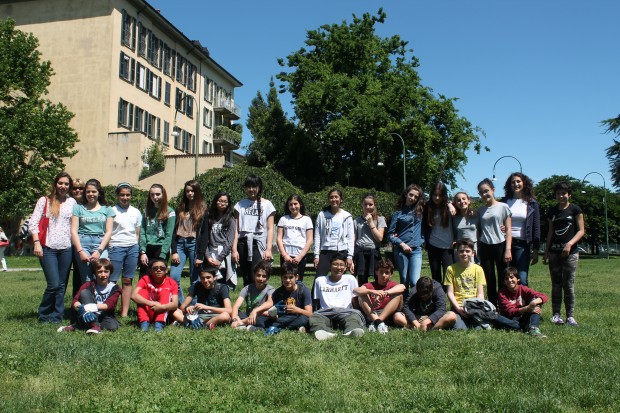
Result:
{"points": [[178, 370]]}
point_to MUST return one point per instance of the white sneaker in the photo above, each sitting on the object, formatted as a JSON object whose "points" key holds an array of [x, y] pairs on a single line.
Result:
{"points": [[356, 332], [241, 327], [302, 330], [382, 328], [273, 311], [371, 328], [323, 335], [254, 328], [557, 319], [572, 322]]}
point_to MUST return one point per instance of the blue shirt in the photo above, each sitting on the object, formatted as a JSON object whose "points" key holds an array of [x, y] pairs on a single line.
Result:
{"points": [[406, 227]]}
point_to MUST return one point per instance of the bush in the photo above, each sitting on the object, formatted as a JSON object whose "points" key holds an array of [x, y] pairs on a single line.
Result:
{"points": [[138, 198], [386, 201]]}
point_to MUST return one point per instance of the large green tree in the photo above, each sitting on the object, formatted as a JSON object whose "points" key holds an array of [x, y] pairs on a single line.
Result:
{"points": [[351, 89], [612, 125], [35, 134]]}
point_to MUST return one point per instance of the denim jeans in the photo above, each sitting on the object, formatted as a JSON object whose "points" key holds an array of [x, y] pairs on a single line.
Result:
{"points": [[55, 265], [409, 266], [89, 244], [186, 248], [124, 260], [562, 271], [521, 258]]}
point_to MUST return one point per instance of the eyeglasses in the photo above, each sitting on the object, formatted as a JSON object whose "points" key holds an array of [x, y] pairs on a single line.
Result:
{"points": [[78, 188], [158, 268]]}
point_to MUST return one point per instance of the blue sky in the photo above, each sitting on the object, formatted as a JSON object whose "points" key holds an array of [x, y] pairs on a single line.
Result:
{"points": [[536, 76]]}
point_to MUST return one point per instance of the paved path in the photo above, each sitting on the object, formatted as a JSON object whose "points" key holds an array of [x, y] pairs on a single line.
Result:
{"points": [[24, 269]]}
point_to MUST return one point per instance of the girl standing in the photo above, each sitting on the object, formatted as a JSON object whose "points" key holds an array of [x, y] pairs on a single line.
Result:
{"points": [[405, 234], [54, 251], [217, 236], [157, 228], [4, 242], [91, 228], [334, 234], [188, 222], [295, 234], [494, 247], [369, 231], [255, 217], [77, 193], [465, 222], [124, 248], [519, 196], [438, 233]]}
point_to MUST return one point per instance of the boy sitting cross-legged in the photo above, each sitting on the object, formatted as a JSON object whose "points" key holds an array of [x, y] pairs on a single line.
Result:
{"points": [[212, 302], [381, 299], [257, 299], [426, 308]]}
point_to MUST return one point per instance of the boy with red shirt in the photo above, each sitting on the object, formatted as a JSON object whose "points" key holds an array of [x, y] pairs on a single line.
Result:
{"points": [[156, 295], [520, 303], [380, 299]]}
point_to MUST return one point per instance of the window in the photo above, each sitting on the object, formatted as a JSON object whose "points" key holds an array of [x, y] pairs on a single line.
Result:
{"points": [[127, 68], [142, 79], [208, 90], [153, 54], [167, 59], [128, 31], [138, 119], [207, 118], [173, 63], [148, 121], [186, 139], [177, 138], [142, 34], [167, 94], [189, 106], [125, 114], [158, 130], [181, 68], [191, 77], [179, 102], [154, 85], [166, 133]]}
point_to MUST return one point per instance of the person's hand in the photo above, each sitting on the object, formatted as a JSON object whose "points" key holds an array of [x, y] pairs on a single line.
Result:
{"points": [[197, 263], [406, 248], [235, 257], [95, 256], [144, 260], [38, 249], [566, 250], [546, 258], [267, 255], [502, 228], [378, 293], [158, 307], [316, 263], [350, 265], [190, 309], [292, 309], [368, 219], [214, 262], [416, 325], [84, 257], [200, 307], [426, 323], [176, 259], [462, 312], [452, 209], [534, 258], [252, 318], [508, 255]]}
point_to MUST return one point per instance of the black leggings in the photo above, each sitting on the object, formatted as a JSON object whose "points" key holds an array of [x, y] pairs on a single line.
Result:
{"points": [[245, 266], [491, 258], [439, 259]]}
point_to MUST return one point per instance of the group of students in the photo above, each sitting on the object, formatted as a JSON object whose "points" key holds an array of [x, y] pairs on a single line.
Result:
{"points": [[219, 239]]}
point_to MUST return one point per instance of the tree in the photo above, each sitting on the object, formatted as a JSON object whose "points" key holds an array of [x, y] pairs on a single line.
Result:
{"points": [[35, 134], [351, 89], [613, 152]]}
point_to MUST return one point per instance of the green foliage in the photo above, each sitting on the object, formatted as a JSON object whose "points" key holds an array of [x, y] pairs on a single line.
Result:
{"points": [[155, 157], [230, 135], [35, 134], [613, 152], [386, 201], [351, 89]]}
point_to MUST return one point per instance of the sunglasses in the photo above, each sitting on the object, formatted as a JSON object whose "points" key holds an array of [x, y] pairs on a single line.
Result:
{"points": [[78, 188], [158, 268]]}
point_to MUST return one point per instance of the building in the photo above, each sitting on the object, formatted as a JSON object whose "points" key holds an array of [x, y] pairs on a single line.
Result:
{"points": [[133, 79]]}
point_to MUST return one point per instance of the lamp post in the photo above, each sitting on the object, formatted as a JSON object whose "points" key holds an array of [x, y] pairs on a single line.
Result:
{"points": [[176, 132], [404, 161], [502, 157], [604, 204]]}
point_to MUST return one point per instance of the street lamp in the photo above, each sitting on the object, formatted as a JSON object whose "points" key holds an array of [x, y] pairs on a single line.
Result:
{"points": [[176, 132], [604, 204], [506, 156], [404, 161]]}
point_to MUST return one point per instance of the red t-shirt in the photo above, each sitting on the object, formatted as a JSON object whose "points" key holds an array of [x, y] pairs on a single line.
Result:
{"points": [[376, 302], [168, 287]]}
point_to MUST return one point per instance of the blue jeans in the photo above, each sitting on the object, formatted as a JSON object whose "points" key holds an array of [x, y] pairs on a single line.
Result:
{"points": [[89, 244], [186, 248], [409, 266], [124, 260], [55, 265], [521, 258]]}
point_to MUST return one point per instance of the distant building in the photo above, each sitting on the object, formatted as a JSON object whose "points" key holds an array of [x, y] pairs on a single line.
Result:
{"points": [[132, 79]]}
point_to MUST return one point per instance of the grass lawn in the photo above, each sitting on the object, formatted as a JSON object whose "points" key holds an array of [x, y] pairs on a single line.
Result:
{"points": [[179, 370]]}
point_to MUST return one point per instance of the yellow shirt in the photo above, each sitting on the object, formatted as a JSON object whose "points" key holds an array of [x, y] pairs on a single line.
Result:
{"points": [[465, 281]]}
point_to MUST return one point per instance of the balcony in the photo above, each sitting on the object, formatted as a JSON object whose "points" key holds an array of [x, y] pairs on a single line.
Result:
{"points": [[226, 137], [227, 108]]}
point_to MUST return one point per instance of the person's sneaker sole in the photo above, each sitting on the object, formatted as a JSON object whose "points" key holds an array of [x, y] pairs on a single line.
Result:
{"points": [[92, 331], [302, 330], [323, 335], [64, 328], [356, 332]]}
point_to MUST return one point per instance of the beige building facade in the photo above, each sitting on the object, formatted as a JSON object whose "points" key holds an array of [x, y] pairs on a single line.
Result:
{"points": [[132, 79]]}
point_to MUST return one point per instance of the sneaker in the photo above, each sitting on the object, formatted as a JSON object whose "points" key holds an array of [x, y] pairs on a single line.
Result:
{"points": [[65, 328], [572, 322], [254, 328], [382, 328], [94, 330], [356, 332], [144, 326], [557, 319], [322, 335], [273, 311], [272, 330], [302, 330], [159, 326], [241, 328], [372, 328], [535, 332], [175, 323]]}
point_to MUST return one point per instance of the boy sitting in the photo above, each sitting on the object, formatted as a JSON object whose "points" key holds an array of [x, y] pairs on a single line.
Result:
{"points": [[257, 299], [293, 303], [156, 295], [520, 303], [334, 294], [379, 300], [464, 280], [426, 308], [95, 302], [212, 302]]}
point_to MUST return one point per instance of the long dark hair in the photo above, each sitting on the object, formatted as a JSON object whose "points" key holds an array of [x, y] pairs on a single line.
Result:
{"points": [[418, 208], [443, 207], [195, 208], [250, 181], [295, 197], [54, 208], [97, 185], [162, 211], [339, 192], [228, 213], [527, 193]]}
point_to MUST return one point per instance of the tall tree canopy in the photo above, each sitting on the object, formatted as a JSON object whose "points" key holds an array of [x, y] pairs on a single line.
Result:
{"points": [[34, 133], [613, 152], [351, 90]]}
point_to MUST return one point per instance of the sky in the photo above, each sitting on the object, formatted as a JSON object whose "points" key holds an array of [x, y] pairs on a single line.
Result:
{"points": [[536, 76]]}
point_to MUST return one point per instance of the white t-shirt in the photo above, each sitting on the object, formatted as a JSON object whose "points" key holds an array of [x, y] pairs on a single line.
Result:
{"points": [[519, 213], [335, 294], [124, 227], [248, 216], [294, 233]]}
